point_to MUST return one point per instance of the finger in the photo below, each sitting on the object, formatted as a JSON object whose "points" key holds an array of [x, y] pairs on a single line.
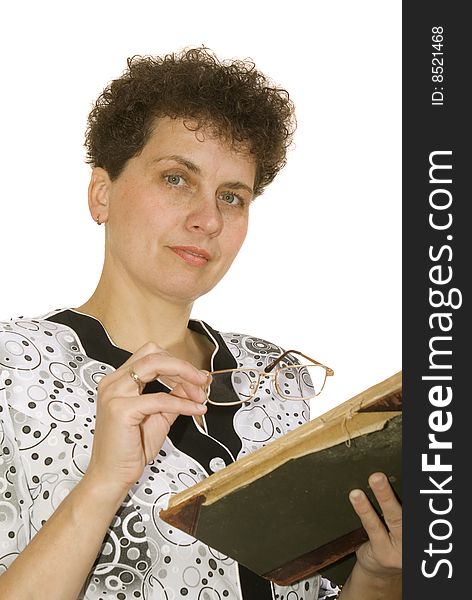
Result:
{"points": [[190, 391], [388, 502], [184, 389], [163, 366], [161, 403], [369, 518], [144, 350], [148, 348]]}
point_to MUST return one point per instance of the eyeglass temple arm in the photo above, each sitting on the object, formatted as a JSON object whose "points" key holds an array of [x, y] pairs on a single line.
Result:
{"points": [[274, 363]]}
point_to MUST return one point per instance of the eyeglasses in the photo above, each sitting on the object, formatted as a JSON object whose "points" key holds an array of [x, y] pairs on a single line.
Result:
{"points": [[291, 381]]}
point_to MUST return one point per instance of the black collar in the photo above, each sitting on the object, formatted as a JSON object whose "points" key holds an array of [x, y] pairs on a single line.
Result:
{"points": [[98, 345]]}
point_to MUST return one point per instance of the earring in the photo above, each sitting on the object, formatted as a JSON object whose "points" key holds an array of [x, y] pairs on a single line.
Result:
{"points": [[97, 219]]}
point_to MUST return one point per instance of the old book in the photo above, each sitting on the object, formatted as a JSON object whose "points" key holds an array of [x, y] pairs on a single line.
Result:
{"points": [[283, 511]]}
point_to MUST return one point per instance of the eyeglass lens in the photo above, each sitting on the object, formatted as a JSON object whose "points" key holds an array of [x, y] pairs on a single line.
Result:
{"points": [[295, 382], [300, 382]]}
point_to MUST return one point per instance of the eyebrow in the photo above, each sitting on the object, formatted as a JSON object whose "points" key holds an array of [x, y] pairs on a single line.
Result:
{"points": [[235, 185], [180, 159], [239, 185]]}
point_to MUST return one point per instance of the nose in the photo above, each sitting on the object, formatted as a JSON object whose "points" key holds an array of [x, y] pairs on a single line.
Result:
{"points": [[205, 216]]}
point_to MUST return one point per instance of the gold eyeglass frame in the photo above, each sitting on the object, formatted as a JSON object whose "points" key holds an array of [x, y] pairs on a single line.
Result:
{"points": [[268, 371]]}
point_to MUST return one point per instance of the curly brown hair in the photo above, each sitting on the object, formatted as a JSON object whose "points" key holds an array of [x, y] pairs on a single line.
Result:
{"points": [[235, 100]]}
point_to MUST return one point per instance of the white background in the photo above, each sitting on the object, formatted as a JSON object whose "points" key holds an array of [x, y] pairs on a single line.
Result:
{"points": [[320, 270]]}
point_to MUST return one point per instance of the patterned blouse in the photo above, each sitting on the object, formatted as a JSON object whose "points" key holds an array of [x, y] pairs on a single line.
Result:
{"points": [[49, 371]]}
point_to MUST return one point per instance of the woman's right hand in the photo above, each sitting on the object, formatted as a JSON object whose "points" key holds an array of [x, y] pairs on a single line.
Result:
{"points": [[131, 426]]}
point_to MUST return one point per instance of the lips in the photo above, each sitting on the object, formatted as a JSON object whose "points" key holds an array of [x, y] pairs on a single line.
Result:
{"points": [[192, 254]]}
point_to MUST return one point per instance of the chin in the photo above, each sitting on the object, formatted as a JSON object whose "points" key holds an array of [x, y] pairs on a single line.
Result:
{"points": [[184, 294], [183, 287]]}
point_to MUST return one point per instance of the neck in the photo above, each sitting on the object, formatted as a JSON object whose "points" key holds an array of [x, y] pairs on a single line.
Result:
{"points": [[133, 318]]}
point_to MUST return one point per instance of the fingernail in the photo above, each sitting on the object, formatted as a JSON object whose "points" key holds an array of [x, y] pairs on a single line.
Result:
{"points": [[378, 479], [355, 495]]}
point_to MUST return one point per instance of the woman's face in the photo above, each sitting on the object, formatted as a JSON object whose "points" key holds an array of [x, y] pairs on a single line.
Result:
{"points": [[178, 213]]}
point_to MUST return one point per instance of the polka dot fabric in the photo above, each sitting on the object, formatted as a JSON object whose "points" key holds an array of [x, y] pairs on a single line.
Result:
{"points": [[48, 388], [265, 417]]}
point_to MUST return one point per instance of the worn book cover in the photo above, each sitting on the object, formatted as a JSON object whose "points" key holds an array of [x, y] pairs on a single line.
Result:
{"points": [[283, 511]]}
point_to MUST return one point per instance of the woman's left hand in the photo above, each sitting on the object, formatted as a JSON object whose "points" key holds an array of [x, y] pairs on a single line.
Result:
{"points": [[381, 555]]}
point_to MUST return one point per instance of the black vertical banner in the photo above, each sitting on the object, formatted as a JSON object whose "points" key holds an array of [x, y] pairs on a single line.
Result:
{"points": [[437, 257]]}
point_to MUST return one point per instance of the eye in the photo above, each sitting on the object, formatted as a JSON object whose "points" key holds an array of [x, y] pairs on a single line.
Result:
{"points": [[174, 179], [232, 199]]}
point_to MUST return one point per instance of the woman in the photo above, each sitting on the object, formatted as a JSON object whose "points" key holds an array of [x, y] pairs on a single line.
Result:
{"points": [[179, 147]]}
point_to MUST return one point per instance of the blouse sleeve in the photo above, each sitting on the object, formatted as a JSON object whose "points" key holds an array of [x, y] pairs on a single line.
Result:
{"points": [[14, 504]]}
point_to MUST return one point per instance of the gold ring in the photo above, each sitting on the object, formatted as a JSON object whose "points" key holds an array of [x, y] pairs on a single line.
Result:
{"points": [[135, 378]]}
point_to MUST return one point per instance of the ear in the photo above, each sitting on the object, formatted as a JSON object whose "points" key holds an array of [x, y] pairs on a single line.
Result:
{"points": [[98, 194]]}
